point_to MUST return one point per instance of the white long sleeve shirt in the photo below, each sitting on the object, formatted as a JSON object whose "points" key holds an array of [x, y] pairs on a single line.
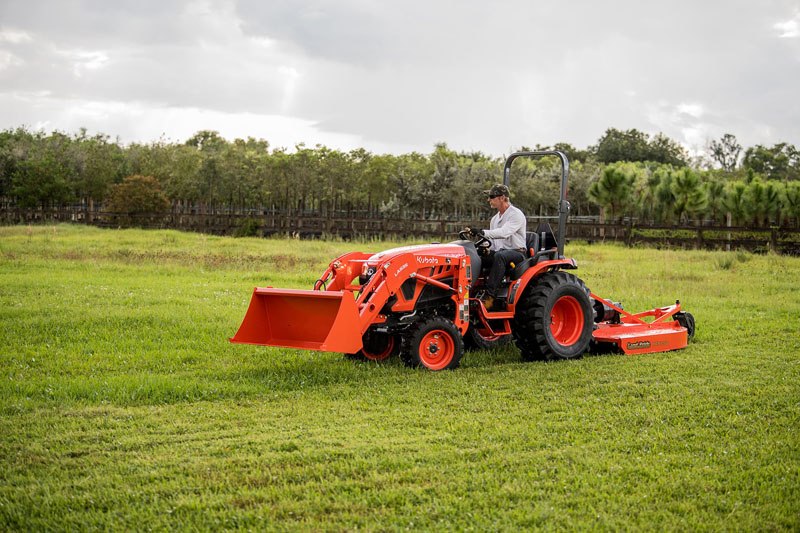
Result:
{"points": [[507, 231]]}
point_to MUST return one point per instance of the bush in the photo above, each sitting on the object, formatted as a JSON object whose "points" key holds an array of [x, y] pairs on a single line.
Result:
{"points": [[249, 227], [136, 195]]}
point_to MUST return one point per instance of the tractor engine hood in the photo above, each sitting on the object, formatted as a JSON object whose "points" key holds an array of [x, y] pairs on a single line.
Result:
{"points": [[432, 255]]}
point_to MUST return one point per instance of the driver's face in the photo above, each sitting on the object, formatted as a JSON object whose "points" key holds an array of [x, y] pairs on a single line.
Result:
{"points": [[495, 202]]}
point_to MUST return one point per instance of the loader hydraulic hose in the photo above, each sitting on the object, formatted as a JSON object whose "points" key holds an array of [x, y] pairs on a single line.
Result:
{"points": [[435, 283]]}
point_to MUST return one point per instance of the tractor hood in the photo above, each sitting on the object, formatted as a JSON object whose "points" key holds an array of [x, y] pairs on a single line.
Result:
{"points": [[436, 253]]}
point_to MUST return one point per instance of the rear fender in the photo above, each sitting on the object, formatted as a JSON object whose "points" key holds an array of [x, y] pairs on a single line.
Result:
{"points": [[517, 287]]}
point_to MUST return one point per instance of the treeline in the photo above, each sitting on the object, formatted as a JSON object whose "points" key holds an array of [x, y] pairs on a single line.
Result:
{"points": [[626, 174]]}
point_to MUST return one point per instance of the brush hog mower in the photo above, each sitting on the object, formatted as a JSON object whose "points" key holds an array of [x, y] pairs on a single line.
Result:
{"points": [[420, 302]]}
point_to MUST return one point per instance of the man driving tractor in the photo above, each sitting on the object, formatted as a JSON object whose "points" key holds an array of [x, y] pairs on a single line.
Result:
{"points": [[507, 235]]}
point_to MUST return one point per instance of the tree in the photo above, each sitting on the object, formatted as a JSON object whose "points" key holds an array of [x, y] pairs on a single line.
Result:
{"points": [[791, 201], [662, 149], [100, 164], [735, 202], [780, 162], [613, 190], [726, 152], [616, 145], [689, 195], [715, 192], [763, 201], [634, 145], [45, 172], [646, 191], [137, 194]]}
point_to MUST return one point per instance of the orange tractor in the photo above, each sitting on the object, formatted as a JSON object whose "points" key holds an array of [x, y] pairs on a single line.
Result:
{"points": [[421, 302]]}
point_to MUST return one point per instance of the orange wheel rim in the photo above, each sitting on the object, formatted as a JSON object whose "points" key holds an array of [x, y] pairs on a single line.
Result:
{"points": [[566, 321], [381, 354], [436, 350]]}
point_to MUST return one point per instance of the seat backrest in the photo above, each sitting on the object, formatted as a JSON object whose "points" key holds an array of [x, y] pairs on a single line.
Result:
{"points": [[545, 231], [531, 243]]}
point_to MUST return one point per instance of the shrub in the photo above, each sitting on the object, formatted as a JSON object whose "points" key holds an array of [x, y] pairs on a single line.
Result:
{"points": [[249, 227], [137, 194]]}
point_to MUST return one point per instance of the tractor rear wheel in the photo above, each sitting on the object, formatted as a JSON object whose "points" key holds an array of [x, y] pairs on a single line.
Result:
{"points": [[435, 344], [554, 318]]}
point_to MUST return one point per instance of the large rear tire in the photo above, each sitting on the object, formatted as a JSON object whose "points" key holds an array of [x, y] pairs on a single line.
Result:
{"points": [[435, 344], [554, 318]]}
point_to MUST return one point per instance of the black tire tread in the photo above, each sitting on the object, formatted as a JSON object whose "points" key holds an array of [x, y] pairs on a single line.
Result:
{"points": [[531, 324], [409, 350]]}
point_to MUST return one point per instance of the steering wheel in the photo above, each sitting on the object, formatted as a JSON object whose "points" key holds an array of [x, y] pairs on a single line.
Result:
{"points": [[479, 240]]}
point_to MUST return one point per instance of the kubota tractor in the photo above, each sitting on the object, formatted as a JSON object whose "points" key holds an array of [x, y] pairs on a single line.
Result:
{"points": [[421, 302]]}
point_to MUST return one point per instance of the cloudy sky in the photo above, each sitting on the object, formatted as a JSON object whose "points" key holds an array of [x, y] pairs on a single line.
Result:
{"points": [[401, 76]]}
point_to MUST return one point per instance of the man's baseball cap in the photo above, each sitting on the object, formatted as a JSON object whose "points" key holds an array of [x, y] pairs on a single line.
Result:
{"points": [[498, 190]]}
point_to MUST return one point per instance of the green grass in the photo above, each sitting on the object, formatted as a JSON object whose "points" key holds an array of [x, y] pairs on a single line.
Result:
{"points": [[122, 404]]}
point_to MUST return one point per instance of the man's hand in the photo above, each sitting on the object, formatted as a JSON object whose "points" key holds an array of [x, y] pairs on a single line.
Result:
{"points": [[472, 232]]}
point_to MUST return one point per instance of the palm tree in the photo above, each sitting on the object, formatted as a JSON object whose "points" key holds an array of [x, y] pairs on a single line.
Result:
{"points": [[763, 201], [612, 191], [690, 198], [735, 202], [647, 193], [791, 201], [715, 192]]}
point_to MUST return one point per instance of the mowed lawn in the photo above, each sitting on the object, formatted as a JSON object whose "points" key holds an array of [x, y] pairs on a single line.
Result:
{"points": [[123, 405]]}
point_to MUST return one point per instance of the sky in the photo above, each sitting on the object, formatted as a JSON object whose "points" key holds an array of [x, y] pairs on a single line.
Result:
{"points": [[396, 77]]}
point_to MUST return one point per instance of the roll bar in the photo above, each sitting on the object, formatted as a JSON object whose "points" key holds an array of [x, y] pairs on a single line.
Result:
{"points": [[563, 204]]}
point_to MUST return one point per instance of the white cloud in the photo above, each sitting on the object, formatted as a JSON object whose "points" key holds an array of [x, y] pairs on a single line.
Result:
{"points": [[141, 122], [692, 110], [8, 60], [789, 29], [13, 36], [83, 61]]}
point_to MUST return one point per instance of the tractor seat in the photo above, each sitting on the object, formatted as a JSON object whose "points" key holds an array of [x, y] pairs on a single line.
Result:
{"points": [[531, 247], [531, 243]]}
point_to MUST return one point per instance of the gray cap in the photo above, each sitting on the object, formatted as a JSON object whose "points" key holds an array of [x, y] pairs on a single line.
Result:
{"points": [[498, 190]]}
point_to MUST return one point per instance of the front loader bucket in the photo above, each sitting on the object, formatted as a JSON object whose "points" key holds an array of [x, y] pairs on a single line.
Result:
{"points": [[326, 321]]}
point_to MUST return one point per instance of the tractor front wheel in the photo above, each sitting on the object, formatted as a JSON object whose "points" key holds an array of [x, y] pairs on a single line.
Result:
{"points": [[554, 318], [435, 344]]}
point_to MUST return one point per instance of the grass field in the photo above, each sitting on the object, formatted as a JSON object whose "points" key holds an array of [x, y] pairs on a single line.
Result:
{"points": [[123, 406]]}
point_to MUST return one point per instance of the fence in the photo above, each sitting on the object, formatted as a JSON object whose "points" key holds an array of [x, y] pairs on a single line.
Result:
{"points": [[784, 240]]}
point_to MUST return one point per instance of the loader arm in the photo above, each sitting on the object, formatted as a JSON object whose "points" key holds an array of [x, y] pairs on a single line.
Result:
{"points": [[335, 315]]}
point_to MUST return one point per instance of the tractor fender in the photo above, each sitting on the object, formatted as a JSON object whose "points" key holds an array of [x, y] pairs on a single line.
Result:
{"points": [[518, 286]]}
